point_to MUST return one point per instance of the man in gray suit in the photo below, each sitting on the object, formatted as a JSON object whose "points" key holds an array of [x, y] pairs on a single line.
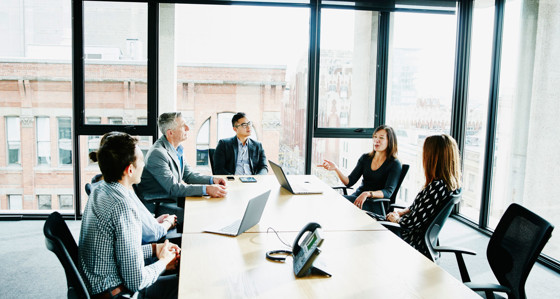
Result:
{"points": [[240, 154], [167, 175]]}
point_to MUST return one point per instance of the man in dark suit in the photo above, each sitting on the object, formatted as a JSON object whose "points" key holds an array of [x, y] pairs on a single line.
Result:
{"points": [[240, 154]]}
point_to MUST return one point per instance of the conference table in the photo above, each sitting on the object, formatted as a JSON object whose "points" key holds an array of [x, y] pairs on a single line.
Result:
{"points": [[365, 259]]}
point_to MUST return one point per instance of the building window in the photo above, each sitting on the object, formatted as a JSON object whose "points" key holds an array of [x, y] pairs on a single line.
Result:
{"points": [[44, 202], [14, 140], [43, 141], [115, 120], [65, 202], [15, 202], [65, 140], [93, 120]]}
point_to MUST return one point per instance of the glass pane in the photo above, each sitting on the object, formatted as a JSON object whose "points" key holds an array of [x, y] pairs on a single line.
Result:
{"points": [[43, 141], [221, 65], [15, 202], [477, 109], [525, 169], [44, 202], [65, 202], [65, 140], [35, 89], [348, 65], [115, 50], [13, 139], [420, 86]]}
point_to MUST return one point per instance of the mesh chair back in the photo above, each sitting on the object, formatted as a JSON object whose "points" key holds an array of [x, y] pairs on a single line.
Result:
{"points": [[432, 233], [211, 152], [60, 241], [515, 246]]}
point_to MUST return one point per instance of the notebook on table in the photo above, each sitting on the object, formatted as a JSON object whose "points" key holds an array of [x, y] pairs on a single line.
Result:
{"points": [[252, 216], [294, 187]]}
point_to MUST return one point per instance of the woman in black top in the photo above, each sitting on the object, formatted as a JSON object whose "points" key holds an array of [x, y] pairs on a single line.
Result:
{"points": [[380, 170], [442, 169]]}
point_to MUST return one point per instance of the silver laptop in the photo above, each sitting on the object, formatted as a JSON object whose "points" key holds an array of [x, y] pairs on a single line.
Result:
{"points": [[252, 216], [294, 187]]}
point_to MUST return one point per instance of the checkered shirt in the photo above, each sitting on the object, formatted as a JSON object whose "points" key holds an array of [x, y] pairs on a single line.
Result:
{"points": [[110, 251]]}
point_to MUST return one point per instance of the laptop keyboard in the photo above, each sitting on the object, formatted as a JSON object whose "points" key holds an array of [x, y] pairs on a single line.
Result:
{"points": [[232, 228]]}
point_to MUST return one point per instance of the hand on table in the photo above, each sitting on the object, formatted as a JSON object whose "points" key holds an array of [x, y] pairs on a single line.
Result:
{"points": [[216, 190], [219, 181]]}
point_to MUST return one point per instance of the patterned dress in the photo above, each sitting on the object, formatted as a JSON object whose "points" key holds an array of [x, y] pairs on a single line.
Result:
{"points": [[422, 211]]}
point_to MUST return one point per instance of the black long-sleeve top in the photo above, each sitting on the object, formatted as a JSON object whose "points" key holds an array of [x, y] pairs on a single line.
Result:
{"points": [[385, 178]]}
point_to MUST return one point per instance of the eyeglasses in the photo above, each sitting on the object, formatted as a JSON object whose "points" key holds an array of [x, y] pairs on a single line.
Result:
{"points": [[244, 125]]}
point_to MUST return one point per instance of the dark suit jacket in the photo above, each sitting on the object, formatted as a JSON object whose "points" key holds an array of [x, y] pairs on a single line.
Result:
{"points": [[225, 156]]}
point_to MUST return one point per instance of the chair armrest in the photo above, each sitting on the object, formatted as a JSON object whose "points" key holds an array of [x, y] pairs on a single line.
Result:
{"points": [[379, 199], [376, 216], [393, 227], [397, 206], [161, 200], [343, 188], [460, 260], [488, 288], [454, 250]]}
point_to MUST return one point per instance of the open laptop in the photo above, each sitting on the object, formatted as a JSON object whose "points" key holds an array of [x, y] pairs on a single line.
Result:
{"points": [[252, 216], [295, 188]]}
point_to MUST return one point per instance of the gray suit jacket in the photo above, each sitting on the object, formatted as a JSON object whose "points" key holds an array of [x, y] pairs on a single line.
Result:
{"points": [[161, 177]]}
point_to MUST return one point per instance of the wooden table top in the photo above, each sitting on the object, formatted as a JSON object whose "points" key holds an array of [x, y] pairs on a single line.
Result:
{"points": [[363, 264], [284, 211]]}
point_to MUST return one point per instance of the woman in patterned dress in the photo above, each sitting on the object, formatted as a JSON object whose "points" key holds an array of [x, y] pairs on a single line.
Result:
{"points": [[442, 169]]}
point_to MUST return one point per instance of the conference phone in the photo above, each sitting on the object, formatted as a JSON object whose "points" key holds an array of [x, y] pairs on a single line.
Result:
{"points": [[305, 252]]}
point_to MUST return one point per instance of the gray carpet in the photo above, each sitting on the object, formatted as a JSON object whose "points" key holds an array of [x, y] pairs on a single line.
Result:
{"points": [[30, 270]]}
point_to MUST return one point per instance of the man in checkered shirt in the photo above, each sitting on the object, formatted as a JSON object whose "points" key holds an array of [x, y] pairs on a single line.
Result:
{"points": [[111, 254]]}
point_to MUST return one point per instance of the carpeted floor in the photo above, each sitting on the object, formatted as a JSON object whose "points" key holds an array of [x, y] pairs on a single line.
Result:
{"points": [[29, 270]]}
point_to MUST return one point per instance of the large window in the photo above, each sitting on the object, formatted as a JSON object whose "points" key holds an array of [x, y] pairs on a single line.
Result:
{"points": [[348, 65], [420, 86], [219, 65], [525, 168], [115, 51], [477, 110]]}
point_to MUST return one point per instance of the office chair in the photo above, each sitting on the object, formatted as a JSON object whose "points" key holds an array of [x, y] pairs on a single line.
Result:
{"points": [[60, 241], [96, 178], [431, 234], [512, 251], [88, 188], [211, 152]]}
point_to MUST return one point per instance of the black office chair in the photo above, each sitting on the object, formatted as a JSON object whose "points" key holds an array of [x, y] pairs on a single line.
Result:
{"points": [[431, 233], [211, 152], [95, 179], [88, 188], [60, 241], [512, 251], [388, 204]]}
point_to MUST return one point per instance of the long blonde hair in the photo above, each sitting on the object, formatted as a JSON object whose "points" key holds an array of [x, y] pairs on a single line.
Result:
{"points": [[441, 160]]}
